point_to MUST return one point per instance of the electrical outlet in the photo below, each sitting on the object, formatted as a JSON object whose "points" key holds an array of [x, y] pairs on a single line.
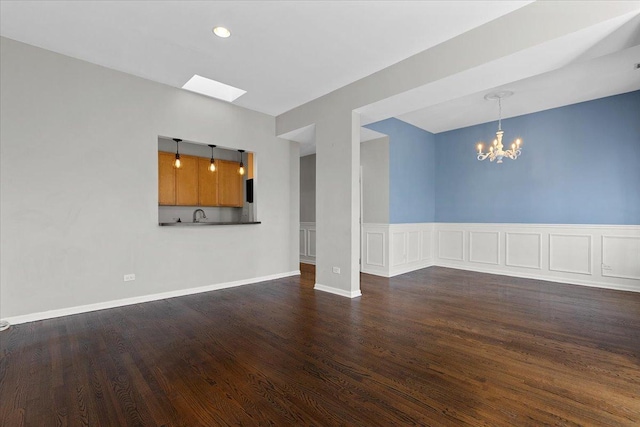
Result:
{"points": [[336, 270], [129, 277]]}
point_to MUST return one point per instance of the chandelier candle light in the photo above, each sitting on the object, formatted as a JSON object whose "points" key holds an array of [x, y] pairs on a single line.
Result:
{"points": [[496, 151]]}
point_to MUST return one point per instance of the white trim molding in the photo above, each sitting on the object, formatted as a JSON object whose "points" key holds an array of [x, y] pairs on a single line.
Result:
{"points": [[144, 298], [336, 291], [308, 242]]}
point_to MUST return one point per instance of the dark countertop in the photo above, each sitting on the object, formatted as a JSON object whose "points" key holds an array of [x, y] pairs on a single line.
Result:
{"points": [[191, 224]]}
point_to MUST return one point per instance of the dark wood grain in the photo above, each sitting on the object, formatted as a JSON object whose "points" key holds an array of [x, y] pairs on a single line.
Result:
{"points": [[434, 347]]}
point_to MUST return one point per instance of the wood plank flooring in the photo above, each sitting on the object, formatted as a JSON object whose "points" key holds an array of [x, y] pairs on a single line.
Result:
{"points": [[436, 347]]}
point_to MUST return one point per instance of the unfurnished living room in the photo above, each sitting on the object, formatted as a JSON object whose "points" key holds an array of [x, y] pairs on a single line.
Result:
{"points": [[327, 213]]}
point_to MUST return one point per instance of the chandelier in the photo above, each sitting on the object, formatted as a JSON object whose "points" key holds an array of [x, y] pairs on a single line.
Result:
{"points": [[496, 150]]}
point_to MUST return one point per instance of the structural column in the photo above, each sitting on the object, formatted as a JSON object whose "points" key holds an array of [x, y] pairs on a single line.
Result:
{"points": [[338, 204]]}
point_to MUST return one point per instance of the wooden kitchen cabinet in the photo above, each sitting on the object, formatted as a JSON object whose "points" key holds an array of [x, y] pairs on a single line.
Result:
{"points": [[187, 181], [250, 171], [207, 183], [177, 186], [229, 184], [166, 179], [193, 184]]}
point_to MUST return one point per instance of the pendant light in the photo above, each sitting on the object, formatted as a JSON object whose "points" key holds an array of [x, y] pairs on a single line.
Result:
{"points": [[241, 168], [176, 163], [212, 165]]}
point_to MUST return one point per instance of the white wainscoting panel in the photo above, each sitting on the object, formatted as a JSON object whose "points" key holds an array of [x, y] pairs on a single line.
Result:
{"points": [[555, 252], [311, 249], [303, 243], [426, 245], [392, 249], [308, 242], [484, 247], [523, 250], [413, 246], [621, 256], [570, 253], [451, 244], [376, 248], [398, 249]]}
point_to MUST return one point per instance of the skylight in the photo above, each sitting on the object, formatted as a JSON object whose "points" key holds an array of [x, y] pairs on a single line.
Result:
{"points": [[213, 88]]}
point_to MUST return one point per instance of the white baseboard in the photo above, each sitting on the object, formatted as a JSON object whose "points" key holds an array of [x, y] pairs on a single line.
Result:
{"points": [[308, 261], [16, 320], [396, 271], [546, 278], [336, 291]]}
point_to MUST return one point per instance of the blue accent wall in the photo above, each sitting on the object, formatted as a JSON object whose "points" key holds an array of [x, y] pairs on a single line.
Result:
{"points": [[412, 173], [580, 164]]}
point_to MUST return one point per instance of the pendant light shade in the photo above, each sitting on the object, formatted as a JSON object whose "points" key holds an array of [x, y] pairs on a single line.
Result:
{"points": [[176, 163], [241, 168], [212, 165]]}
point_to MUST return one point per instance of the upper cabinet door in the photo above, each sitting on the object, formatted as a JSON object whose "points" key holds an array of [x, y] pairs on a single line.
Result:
{"points": [[207, 182], [166, 179], [229, 184], [187, 181], [250, 166]]}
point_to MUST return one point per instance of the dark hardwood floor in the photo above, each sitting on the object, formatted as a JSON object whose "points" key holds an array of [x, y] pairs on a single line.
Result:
{"points": [[433, 347]]}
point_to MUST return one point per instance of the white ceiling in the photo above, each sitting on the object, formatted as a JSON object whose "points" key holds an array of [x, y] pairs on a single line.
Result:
{"points": [[286, 53], [283, 53], [589, 64]]}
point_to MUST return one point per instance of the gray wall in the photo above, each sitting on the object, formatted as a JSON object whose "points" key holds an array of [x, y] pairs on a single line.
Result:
{"points": [[374, 158], [79, 187], [308, 188]]}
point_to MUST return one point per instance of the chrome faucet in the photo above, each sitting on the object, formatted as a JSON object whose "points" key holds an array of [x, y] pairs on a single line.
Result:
{"points": [[195, 215]]}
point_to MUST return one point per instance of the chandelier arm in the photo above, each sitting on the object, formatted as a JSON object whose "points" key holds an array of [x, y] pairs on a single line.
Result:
{"points": [[512, 154]]}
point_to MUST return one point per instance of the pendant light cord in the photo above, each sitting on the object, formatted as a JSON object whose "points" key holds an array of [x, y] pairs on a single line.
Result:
{"points": [[499, 113]]}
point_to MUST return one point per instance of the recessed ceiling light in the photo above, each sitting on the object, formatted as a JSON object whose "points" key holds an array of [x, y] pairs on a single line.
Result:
{"points": [[212, 88], [221, 32]]}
